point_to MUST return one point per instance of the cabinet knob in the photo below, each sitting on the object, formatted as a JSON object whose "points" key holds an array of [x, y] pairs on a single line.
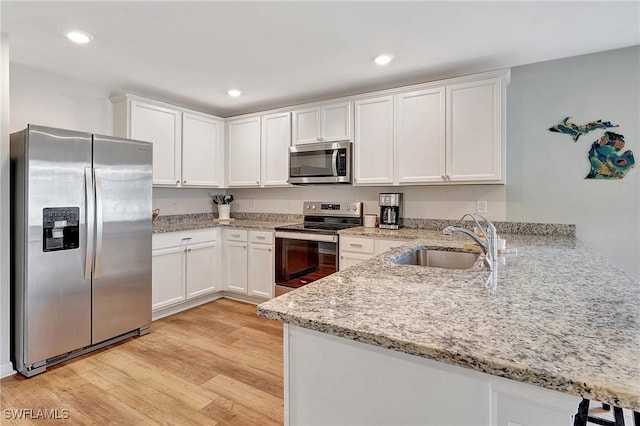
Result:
{"points": [[184, 181], [444, 177], [188, 249], [257, 182], [269, 249], [178, 181]]}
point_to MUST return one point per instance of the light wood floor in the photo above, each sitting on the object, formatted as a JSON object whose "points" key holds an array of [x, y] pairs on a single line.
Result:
{"points": [[215, 364]]}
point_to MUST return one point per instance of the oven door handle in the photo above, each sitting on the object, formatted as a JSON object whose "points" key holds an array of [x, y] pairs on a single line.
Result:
{"points": [[307, 237]]}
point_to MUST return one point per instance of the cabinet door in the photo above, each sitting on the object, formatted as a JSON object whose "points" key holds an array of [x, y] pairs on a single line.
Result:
{"points": [[420, 137], [306, 126], [203, 268], [373, 145], [261, 267], [276, 140], [236, 266], [168, 267], [350, 259], [244, 152], [161, 126], [385, 245], [474, 131], [336, 122], [202, 156]]}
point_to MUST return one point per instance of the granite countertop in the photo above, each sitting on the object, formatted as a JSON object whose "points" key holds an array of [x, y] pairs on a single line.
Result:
{"points": [[556, 314], [189, 222]]}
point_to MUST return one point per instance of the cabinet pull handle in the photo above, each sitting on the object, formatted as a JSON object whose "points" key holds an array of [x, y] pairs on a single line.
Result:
{"points": [[355, 245], [186, 238], [235, 235], [259, 237]]}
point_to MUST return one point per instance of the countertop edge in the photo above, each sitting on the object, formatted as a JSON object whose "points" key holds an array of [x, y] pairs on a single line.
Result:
{"points": [[498, 368]]}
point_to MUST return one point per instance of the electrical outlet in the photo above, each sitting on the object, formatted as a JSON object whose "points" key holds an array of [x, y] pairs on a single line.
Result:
{"points": [[481, 207]]}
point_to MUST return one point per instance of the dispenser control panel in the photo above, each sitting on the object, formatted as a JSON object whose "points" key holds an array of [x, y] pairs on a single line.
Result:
{"points": [[60, 228]]}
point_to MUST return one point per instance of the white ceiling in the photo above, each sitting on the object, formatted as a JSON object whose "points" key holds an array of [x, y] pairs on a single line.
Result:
{"points": [[282, 53]]}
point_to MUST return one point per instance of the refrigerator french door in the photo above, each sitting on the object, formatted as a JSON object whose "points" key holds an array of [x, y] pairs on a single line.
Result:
{"points": [[81, 239]]}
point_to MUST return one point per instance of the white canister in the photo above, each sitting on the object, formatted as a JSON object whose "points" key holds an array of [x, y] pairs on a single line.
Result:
{"points": [[223, 211], [370, 220]]}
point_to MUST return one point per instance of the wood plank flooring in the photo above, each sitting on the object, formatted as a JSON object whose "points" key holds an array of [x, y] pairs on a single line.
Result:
{"points": [[218, 363]]}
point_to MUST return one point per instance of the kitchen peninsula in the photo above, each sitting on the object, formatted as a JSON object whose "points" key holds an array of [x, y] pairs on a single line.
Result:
{"points": [[382, 343]]}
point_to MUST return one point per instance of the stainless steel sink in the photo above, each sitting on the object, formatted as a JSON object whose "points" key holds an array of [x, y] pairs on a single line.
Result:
{"points": [[439, 259]]}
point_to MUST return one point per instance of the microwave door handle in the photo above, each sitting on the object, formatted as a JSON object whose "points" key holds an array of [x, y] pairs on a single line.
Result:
{"points": [[334, 162]]}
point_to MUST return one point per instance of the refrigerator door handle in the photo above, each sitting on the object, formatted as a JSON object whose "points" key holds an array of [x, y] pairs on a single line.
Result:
{"points": [[88, 181], [99, 223]]}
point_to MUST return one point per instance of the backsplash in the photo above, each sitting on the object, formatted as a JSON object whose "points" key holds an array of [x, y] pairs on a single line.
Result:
{"points": [[427, 224]]}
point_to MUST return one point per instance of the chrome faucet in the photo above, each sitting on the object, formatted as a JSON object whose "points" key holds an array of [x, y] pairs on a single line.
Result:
{"points": [[489, 246]]}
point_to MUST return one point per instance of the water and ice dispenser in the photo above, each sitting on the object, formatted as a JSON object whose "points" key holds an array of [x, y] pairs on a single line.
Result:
{"points": [[60, 228]]}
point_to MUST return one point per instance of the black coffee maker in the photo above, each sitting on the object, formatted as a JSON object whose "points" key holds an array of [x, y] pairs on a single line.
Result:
{"points": [[390, 210]]}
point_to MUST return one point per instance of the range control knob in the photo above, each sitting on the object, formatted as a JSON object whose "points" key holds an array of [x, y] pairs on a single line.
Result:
{"points": [[348, 208], [313, 207], [355, 207], [308, 206]]}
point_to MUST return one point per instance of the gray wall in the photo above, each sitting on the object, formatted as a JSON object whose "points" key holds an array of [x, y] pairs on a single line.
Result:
{"points": [[5, 363], [545, 171], [54, 100]]}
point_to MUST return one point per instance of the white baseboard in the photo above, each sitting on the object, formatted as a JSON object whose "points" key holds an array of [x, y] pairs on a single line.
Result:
{"points": [[165, 312], [6, 370]]}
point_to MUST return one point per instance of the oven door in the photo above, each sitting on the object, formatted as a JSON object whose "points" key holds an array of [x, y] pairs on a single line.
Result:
{"points": [[302, 258]]}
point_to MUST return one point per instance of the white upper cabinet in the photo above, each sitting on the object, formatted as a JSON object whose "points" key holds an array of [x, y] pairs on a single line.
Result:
{"points": [[276, 140], [420, 137], [187, 146], [161, 126], [202, 142], [373, 146], [322, 123], [243, 143], [475, 131], [434, 134]]}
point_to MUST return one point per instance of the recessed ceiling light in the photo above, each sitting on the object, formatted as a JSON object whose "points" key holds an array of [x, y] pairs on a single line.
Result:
{"points": [[234, 93], [383, 59], [79, 37]]}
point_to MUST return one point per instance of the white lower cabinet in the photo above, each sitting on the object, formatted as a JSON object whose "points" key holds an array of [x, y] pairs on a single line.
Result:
{"points": [[185, 265], [168, 277], [261, 278], [354, 250], [248, 257]]}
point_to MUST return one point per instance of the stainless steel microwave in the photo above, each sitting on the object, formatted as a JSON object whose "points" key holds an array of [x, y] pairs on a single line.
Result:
{"points": [[325, 162]]}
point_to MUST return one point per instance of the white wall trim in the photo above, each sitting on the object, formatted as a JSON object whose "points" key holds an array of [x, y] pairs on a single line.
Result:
{"points": [[6, 370]]}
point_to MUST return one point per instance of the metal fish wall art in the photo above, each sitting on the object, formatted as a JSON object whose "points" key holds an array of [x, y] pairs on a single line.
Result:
{"points": [[577, 130]]}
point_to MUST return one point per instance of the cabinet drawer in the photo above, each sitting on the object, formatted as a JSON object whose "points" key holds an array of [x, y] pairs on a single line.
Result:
{"points": [[261, 237], [235, 234], [173, 239], [357, 245]]}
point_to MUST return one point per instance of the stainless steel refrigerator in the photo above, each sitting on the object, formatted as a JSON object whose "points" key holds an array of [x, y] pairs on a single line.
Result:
{"points": [[81, 243]]}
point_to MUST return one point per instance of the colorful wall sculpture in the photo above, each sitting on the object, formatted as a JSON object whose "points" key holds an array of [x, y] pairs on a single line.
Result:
{"points": [[605, 156]]}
